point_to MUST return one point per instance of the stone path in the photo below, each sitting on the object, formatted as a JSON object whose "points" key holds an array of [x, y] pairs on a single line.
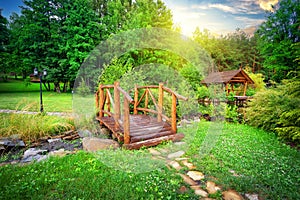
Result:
{"points": [[192, 177]]}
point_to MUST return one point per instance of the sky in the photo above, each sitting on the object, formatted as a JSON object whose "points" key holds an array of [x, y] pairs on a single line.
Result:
{"points": [[218, 16]]}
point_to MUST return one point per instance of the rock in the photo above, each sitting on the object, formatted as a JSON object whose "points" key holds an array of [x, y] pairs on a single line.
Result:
{"points": [[105, 131], [211, 187], [195, 175], [187, 179], [252, 196], [179, 143], [85, 133], [176, 154], [184, 122], [231, 195], [201, 193], [175, 165], [95, 144], [154, 152], [183, 189], [60, 153], [32, 154], [178, 137], [53, 140], [11, 142], [188, 165]]}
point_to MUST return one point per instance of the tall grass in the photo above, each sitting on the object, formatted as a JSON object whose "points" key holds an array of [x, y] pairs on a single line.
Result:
{"points": [[31, 127]]}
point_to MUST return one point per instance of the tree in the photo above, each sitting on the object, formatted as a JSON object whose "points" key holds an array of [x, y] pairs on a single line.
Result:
{"points": [[277, 39], [4, 39]]}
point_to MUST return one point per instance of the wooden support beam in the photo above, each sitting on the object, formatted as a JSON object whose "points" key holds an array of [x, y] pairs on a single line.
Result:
{"points": [[136, 98], [117, 102], [146, 100], [160, 101], [245, 88], [101, 101], [97, 102], [173, 114], [126, 121]]}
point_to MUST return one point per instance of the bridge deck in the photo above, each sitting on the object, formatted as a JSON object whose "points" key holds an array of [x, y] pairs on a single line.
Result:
{"points": [[144, 131]]}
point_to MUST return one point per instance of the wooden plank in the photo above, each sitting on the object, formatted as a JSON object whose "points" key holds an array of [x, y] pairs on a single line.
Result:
{"points": [[153, 142], [150, 136], [153, 130]]}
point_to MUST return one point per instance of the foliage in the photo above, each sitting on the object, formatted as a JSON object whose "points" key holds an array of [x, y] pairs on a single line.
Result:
{"points": [[31, 127], [278, 110], [202, 92], [83, 89], [277, 39], [245, 158], [231, 51], [86, 176]]}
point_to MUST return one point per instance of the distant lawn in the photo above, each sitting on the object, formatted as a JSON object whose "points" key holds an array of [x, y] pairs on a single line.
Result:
{"points": [[16, 95]]}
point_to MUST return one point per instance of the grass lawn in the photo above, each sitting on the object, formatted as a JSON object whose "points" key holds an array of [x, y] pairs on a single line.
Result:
{"points": [[246, 159], [242, 158], [15, 95]]}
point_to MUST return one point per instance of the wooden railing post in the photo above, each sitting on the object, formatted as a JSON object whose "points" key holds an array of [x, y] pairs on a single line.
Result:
{"points": [[97, 102], [245, 88], [101, 101], [146, 101], [136, 98], [160, 102], [117, 103], [173, 114], [126, 121]]}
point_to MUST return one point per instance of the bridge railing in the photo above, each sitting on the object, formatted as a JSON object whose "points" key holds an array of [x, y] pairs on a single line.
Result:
{"points": [[159, 103], [111, 106]]}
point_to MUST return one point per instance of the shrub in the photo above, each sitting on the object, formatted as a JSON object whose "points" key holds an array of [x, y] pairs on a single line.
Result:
{"points": [[83, 89], [278, 110]]}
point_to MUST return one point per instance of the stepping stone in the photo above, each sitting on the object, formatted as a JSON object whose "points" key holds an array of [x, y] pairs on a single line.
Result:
{"points": [[175, 165], [187, 164], [179, 143], [176, 154], [252, 196], [187, 179], [195, 175], [154, 152], [211, 187], [231, 195], [201, 193]]}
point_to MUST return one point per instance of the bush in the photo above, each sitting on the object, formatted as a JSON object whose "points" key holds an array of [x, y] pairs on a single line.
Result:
{"points": [[83, 89], [278, 110]]}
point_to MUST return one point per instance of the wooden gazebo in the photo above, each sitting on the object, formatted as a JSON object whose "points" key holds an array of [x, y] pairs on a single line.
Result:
{"points": [[229, 78]]}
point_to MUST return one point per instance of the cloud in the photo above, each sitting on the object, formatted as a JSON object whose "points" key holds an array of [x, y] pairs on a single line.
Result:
{"points": [[249, 21], [223, 8], [267, 4]]}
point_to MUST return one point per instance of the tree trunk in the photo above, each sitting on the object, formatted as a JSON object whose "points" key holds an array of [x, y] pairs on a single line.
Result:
{"points": [[57, 87]]}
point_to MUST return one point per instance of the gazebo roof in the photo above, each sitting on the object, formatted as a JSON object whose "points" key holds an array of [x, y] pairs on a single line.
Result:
{"points": [[233, 76]]}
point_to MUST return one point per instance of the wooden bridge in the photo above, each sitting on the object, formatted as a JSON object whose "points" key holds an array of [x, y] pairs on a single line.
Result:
{"points": [[138, 125]]}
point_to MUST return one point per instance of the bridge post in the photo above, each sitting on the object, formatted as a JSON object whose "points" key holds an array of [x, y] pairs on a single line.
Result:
{"points": [[136, 98], [160, 101], [101, 102], [126, 121], [117, 102], [173, 113]]}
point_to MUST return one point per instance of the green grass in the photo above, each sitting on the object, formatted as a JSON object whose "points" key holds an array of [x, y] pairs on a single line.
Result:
{"points": [[15, 95], [84, 176], [246, 159]]}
